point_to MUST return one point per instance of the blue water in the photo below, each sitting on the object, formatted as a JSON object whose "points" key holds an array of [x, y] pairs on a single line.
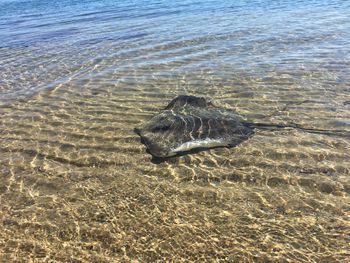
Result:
{"points": [[35, 22], [248, 36]]}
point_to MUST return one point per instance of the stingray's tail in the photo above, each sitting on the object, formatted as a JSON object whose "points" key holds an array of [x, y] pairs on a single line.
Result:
{"points": [[272, 127]]}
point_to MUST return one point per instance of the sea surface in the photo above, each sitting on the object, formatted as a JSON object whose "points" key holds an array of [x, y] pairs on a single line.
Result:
{"points": [[76, 183]]}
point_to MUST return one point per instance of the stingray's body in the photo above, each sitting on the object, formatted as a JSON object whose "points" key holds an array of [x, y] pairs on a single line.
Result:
{"points": [[192, 123]]}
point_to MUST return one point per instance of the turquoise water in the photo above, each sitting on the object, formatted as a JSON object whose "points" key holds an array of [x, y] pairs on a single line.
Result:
{"points": [[77, 185]]}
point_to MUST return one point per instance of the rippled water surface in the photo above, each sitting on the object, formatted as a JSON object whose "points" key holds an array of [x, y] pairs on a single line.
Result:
{"points": [[76, 184]]}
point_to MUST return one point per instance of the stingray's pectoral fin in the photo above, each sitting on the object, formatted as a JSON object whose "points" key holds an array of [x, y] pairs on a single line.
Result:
{"points": [[154, 147], [137, 131], [200, 143]]}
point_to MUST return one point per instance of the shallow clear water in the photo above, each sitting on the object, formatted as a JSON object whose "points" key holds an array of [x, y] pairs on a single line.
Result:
{"points": [[77, 184]]}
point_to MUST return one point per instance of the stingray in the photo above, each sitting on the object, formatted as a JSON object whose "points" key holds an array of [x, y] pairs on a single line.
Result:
{"points": [[191, 124]]}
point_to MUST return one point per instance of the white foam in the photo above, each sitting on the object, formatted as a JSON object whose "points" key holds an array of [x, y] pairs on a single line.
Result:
{"points": [[206, 143]]}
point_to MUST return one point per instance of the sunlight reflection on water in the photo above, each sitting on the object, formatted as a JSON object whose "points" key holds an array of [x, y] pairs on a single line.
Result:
{"points": [[77, 184]]}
